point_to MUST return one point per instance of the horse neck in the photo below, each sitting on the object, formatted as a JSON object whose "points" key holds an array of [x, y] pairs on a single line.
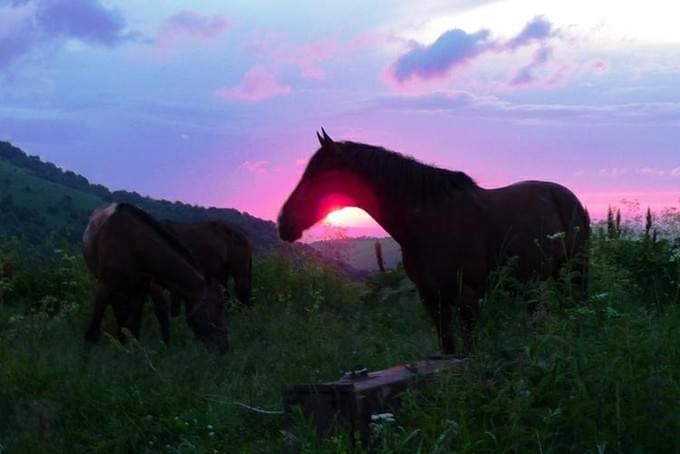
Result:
{"points": [[388, 204]]}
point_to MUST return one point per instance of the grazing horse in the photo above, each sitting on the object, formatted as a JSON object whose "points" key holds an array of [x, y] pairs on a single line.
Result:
{"points": [[222, 251], [452, 232], [125, 249]]}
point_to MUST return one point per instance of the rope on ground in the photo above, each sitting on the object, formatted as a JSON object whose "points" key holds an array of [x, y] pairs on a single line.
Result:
{"points": [[245, 406]]}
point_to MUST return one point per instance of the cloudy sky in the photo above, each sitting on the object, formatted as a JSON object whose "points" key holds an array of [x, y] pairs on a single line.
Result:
{"points": [[217, 103]]}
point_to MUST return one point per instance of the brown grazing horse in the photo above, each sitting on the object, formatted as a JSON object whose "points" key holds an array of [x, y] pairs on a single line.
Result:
{"points": [[452, 232], [222, 251], [125, 249]]}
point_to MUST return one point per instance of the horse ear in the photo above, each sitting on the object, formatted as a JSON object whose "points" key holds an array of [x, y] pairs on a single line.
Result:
{"points": [[321, 141], [327, 139], [327, 143]]}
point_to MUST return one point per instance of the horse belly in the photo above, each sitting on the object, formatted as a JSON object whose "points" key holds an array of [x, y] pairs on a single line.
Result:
{"points": [[442, 268]]}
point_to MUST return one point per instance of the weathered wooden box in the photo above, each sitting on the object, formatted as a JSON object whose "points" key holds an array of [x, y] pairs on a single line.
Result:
{"points": [[351, 403]]}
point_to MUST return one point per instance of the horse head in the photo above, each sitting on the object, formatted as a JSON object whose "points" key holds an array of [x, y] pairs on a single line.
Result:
{"points": [[328, 183], [207, 320]]}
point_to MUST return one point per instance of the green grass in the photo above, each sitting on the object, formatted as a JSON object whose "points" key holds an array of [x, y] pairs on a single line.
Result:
{"points": [[144, 396], [603, 376]]}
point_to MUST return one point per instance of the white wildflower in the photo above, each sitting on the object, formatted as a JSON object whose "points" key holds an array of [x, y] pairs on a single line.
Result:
{"points": [[382, 418], [556, 236]]}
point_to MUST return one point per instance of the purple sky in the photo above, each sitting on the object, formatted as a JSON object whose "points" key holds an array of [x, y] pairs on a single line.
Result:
{"points": [[217, 103]]}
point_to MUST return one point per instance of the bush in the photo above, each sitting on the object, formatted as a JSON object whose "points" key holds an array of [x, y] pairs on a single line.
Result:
{"points": [[650, 270]]}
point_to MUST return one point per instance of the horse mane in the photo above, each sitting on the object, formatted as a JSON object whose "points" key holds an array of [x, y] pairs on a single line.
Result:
{"points": [[424, 181], [158, 227]]}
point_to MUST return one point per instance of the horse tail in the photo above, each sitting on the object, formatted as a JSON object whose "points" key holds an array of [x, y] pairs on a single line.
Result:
{"points": [[576, 223], [162, 231], [574, 218]]}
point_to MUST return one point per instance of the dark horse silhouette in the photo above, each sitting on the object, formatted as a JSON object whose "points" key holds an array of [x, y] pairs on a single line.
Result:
{"points": [[125, 249], [452, 232], [222, 251]]}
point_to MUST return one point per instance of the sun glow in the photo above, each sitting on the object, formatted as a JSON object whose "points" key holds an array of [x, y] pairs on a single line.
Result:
{"points": [[346, 217]]}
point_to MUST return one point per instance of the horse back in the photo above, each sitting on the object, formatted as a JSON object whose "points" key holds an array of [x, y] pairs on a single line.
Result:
{"points": [[542, 223], [127, 248]]}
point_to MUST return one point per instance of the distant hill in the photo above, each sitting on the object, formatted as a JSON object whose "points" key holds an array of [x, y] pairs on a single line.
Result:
{"points": [[44, 206], [359, 253]]}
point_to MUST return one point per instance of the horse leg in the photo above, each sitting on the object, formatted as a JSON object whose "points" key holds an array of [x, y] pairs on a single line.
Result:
{"points": [[175, 305], [243, 287], [102, 299], [439, 310], [469, 316], [137, 300], [160, 307], [121, 310]]}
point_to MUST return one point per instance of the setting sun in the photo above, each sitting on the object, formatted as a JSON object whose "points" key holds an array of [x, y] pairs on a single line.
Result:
{"points": [[348, 216]]}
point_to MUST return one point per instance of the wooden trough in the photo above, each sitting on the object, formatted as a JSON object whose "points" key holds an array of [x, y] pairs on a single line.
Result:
{"points": [[359, 398]]}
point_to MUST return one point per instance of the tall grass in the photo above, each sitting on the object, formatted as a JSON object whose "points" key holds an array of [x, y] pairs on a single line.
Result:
{"points": [[307, 324], [597, 376]]}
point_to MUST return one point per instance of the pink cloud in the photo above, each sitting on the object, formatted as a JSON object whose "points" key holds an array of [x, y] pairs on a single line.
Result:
{"points": [[456, 49], [308, 57], [534, 76], [366, 40], [535, 31], [527, 74], [258, 168], [614, 172], [673, 173], [599, 66], [257, 84], [261, 43], [559, 76], [188, 24], [645, 171]]}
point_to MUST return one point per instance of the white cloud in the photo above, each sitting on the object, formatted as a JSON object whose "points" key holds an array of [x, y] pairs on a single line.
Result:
{"points": [[609, 21]]}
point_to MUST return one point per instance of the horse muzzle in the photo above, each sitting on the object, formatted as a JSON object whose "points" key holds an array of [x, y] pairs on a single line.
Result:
{"points": [[289, 234]]}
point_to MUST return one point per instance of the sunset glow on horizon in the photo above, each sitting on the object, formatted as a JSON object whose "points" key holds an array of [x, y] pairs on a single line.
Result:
{"points": [[218, 103], [348, 216]]}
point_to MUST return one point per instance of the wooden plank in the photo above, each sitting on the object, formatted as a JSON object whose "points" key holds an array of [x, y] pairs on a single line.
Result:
{"points": [[349, 404]]}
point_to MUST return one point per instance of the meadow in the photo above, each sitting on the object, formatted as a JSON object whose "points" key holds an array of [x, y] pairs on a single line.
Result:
{"points": [[596, 376]]}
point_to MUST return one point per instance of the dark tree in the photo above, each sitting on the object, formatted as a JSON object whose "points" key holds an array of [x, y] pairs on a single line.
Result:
{"points": [[648, 223], [379, 256], [611, 227]]}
